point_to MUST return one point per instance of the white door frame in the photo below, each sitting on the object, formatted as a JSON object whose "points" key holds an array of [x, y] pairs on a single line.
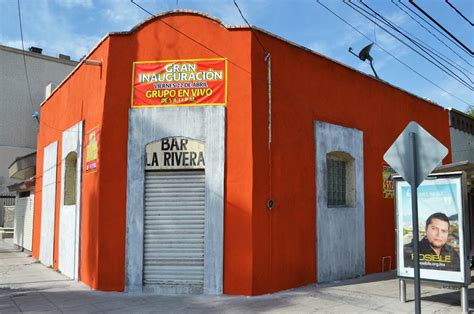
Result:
{"points": [[48, 204], [69, 215]]}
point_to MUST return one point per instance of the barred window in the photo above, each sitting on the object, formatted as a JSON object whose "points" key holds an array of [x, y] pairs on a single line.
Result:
{"points": [[336, 182], [340, 180]]}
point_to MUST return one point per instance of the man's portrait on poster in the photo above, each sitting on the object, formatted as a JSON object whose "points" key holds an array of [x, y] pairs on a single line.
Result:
{"points": [[434, 248]]}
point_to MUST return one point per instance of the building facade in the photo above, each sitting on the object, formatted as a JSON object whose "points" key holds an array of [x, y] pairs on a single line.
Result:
{"points": [[18, 129], [265, 172], [462, 135]]}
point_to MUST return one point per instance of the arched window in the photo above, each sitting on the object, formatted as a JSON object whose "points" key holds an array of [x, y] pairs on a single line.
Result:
{"points": [[340, 180], [70, 179]]}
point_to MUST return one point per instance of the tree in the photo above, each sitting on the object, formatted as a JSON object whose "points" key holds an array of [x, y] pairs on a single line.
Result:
{"points": [[470, 111]]}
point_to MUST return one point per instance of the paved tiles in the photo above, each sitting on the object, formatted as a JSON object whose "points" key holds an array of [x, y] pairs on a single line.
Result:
{"points": [[28, 286]]}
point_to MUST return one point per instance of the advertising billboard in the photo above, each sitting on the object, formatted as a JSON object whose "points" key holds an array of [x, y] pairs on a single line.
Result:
{"points": [[191, 82], [441, 241]]}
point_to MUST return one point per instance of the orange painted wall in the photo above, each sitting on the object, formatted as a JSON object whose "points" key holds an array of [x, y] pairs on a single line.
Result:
{"points": [[263, 251], [103, 230], [81, 97], [160, 40], [308, 87]]}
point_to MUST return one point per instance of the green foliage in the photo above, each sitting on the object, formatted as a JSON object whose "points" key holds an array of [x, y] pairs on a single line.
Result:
{"points": [[470, 111]]}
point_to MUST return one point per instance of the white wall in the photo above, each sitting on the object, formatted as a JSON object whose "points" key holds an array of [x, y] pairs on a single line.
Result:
{"points": [[48, 204], [340, 231], [206, 124], [462, 145], [69, 215], [18, 130]]}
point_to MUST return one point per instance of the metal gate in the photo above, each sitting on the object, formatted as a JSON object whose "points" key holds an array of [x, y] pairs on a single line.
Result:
{"points": [[6, 199], [23, 234], [28, 223], [174, 229]]}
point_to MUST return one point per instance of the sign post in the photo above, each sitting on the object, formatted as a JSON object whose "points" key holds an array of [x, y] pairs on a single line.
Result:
{"points": [[414, 213], [413, 156]]}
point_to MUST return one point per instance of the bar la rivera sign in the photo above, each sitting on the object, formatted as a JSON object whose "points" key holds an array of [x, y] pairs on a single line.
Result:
{"points": [[175, 153]]}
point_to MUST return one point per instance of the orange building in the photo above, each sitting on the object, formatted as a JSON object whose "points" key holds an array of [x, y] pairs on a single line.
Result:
{"points": [[181, 157]]}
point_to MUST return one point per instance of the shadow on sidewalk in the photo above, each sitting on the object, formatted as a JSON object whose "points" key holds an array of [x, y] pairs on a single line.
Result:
{"points": [[389, 275]]}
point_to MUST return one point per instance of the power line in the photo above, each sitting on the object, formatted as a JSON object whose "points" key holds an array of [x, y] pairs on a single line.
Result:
{"points": [[430, 32], [424, 47], [441, 26], [386, 51], [191, 38], [248, 72], [433, 27], [459, 12], [418, 41], [250, 26], [435, 62], [24, 58]]}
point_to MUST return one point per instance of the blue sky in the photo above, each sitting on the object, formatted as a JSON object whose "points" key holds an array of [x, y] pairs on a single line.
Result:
{"points": [[74, 27], [444, 196]]}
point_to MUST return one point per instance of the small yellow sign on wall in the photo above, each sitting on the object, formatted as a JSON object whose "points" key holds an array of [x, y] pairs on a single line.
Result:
{"points": [[92, 150], [387, 181]]}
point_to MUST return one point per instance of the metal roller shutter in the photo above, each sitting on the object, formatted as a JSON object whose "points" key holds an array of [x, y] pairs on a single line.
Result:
{"points": [[174, 229]]}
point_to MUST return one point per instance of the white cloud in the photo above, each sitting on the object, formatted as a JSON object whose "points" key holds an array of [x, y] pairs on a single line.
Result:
{"points": [[228, 13], [53, 32], [321, 47], [75, 3], [17, 44], [124, 15], [447, 97]]}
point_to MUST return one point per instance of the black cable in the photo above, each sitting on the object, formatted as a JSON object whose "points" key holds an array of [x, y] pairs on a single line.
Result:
{"points": [[433, 27], [459, 12], [390, 54], [248, 72], [192, 39], [432, 34], [419, 43], [24, 58], [250, 26], [435, 62], [427, 46], [441, 26]]}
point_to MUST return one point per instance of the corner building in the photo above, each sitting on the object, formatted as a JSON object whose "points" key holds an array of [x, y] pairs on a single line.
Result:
{"points": [[288, 192]]}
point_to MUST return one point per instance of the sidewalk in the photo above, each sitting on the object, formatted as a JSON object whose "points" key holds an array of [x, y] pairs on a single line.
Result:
{"points": [[28, 286]]}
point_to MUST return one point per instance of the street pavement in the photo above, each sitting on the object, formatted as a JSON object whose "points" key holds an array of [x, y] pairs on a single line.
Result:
{"points": [[28, 286]]}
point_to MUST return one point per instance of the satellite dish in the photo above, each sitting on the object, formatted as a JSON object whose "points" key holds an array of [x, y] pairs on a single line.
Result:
{"points": [[364, 54]]}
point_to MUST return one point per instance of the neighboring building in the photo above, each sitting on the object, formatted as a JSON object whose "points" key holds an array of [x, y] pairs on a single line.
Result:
{"points": [[18, 129], [462, 135], [238, 187], [23, 168]]}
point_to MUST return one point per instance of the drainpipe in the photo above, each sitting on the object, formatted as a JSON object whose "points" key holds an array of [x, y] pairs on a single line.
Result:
{"points": [[268, 60]]}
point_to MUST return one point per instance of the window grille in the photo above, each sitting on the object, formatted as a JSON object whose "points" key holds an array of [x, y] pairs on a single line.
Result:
{"points": [[340, 180], [336, 182]]}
